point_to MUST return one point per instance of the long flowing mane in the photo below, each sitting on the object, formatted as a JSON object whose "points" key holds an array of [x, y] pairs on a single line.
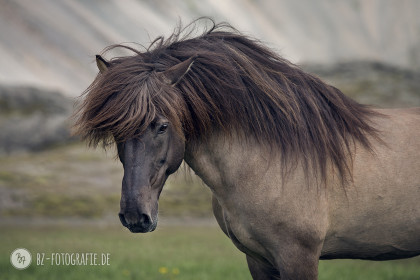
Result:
{"points": [[235, 85]]}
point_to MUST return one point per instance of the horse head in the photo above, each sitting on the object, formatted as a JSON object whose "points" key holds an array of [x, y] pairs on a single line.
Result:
{"points": [[148, 160]]}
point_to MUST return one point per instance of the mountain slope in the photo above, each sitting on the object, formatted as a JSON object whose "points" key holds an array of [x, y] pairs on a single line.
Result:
{"points": [[52, 44]]}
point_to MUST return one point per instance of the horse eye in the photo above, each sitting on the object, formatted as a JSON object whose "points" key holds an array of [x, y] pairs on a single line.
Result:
{"points": [[162, 128]]}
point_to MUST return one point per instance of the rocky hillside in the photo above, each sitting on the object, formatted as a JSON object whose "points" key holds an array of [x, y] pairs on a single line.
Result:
{"points": [[372, 83], [32, 119], [369, 49], [52, 43]]}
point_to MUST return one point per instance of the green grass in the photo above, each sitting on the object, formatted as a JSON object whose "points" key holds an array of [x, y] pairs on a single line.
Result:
{"points": [[168, 253], [172, 252]]}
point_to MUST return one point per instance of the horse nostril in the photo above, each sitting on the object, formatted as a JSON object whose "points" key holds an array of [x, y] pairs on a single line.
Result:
{"points": [[136, 223], [145, 220]]}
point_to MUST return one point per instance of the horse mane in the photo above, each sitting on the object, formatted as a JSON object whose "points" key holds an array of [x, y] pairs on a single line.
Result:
{"points": [[235, 85]]}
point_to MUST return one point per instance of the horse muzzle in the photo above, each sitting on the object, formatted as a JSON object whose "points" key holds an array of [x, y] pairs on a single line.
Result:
{"points": [[136, 222]]}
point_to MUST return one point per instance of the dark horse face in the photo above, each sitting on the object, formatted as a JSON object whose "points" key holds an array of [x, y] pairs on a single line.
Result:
{"points": [[148, 161]]}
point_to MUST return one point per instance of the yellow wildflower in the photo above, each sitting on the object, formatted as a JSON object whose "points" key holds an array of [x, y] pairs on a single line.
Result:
{"points": [[163, 270]]}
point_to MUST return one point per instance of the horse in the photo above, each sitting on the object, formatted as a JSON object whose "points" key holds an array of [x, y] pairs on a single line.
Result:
{"points": [[298, 171]]}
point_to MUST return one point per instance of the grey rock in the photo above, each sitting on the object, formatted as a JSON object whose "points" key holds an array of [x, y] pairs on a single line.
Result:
{"points": [[32, 119]]}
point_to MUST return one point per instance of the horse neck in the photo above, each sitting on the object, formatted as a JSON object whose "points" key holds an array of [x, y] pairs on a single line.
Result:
{"points": [[222, 163], [233, 168]]}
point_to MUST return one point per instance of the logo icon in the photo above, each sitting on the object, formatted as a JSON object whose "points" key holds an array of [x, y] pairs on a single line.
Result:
{"points": [[21, 258]]}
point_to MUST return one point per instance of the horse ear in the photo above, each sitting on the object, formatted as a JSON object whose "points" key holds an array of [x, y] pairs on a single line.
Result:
{"points": [[174, 74], [101, 63]]}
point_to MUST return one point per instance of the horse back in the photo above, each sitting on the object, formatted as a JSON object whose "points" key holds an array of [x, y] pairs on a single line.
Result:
{"points": [[378, 216]]}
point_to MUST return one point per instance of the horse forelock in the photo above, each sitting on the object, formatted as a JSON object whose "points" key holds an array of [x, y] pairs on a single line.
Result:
{"points": [[236, 85]]}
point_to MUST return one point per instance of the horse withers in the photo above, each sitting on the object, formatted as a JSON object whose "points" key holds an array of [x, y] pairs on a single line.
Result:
{"points": [[298, 171]]}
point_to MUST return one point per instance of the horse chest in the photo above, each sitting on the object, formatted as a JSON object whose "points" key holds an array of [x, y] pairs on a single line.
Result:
{"points": [[242, 236], [239, 236]]}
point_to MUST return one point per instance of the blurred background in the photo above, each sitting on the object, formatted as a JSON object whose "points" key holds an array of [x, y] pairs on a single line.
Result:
{"points": [[53, 188]]}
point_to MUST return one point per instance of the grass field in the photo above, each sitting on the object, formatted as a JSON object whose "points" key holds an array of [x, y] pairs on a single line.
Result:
{"points": [[172, 252]]}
